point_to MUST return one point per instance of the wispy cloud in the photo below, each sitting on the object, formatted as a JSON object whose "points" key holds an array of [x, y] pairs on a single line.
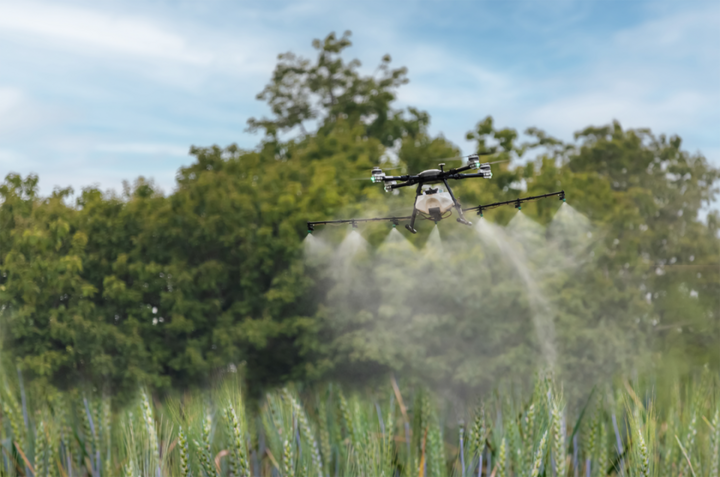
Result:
{"points": [[112, 90], [144, 148], [94, 30], [662, 73], [19, 114]]}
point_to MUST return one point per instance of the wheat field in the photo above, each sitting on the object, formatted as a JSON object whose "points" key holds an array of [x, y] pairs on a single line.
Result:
{"points": [[630, 429]]}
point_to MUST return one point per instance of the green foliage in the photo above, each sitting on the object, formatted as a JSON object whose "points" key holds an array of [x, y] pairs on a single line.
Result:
{"points": [[330, 90], [111, 291]]}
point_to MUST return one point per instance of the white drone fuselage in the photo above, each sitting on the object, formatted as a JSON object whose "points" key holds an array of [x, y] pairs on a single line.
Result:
{"points": [[434, 204]]}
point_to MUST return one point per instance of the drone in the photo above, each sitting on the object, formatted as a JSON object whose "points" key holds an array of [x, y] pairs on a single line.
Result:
{"points": [[431, 201]]}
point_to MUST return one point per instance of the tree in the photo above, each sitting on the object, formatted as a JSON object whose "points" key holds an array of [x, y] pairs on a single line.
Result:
{"points": [[170, 290], [331, 90]]}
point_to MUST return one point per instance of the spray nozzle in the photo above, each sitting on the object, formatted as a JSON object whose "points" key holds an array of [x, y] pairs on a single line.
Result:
{"points": [[562, 195], [354, 224], [395, 223], [311, 227]]}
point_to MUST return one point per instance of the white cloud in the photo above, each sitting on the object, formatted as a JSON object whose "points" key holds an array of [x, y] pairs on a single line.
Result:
{"points": [[99, 31], [10, 99], [657, 74], [570, 113], [9, 159], [135, 83], [144, 148], [19, 113], [675, 32]]}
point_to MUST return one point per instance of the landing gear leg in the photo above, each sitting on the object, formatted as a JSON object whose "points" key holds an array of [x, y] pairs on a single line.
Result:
{"points": [[411, 225], [458, 207]]}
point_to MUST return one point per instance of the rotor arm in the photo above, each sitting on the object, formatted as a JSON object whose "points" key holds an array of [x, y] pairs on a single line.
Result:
{"points": [[467, 176], [460, 169], [404, 184], [398, 178]]}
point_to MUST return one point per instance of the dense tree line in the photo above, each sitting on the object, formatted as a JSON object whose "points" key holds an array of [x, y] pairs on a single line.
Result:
{"points": [[111, 289]]}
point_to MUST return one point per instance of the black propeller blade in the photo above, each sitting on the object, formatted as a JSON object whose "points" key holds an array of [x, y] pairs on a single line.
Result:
{"points": [[383, 168], [496, 162], [462, 158]]}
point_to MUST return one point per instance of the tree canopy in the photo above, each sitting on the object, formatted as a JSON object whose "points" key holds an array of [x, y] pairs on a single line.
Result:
{"points": [[114, 289]]}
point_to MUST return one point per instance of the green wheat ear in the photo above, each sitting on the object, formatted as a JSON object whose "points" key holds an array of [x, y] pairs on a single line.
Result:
{"points": [[184, 453], [11, 408], [537, 463], [528, 437], [715, 443], [239, 462], [643, 454], [347, 418], [150, 429], [324, 433], [502, 459], [41, 446], [287, 459], [602, 456], [305, 428], [204, 448], [477, 432]]}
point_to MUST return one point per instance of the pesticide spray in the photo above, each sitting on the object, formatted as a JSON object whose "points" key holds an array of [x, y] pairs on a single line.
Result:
{"points": [[314, 248], [396, 242], [456, 310], [434, 242], [514, 252]]}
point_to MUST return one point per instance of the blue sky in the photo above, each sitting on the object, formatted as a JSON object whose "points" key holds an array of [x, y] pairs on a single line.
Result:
{"points": [[94, 93]]}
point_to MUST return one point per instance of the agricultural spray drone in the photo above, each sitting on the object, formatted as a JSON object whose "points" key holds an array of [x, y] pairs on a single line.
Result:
{"points": [[434, 203]]}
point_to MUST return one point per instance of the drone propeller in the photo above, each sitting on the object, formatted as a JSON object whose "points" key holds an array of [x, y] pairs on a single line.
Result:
{"points": [[450, 159], [462, 158], [383, 168], [496, 162]]}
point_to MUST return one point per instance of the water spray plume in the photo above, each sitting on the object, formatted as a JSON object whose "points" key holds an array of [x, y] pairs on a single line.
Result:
{"points": [[314, 247], [572, 235], [567, 220], [395, 242], [434, 241], [526, 232], [494, 236], [455, 312], [353, 245]]}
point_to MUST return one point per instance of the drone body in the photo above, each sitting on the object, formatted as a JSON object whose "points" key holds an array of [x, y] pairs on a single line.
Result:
{"points": [[434, 203]]}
